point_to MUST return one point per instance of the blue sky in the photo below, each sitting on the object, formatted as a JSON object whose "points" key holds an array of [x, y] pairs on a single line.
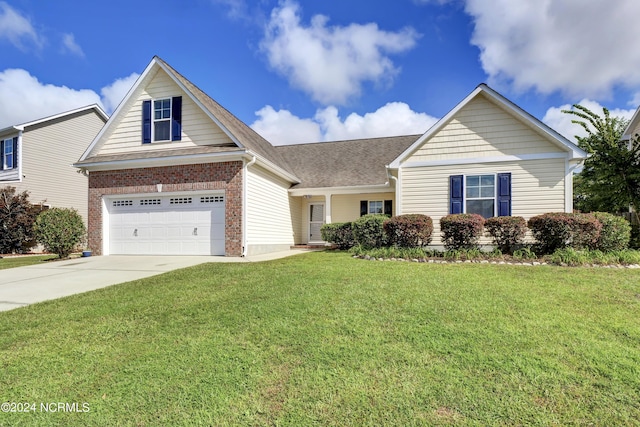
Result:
{"points": [[311, 70]]}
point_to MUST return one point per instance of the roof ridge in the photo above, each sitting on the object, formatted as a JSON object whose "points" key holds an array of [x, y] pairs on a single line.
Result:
{"points": [[247, 136]]}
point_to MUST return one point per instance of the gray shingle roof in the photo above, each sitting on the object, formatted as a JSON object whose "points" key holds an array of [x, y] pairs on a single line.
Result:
{"points": [[249, 138], [344, 163], [158, 154]]}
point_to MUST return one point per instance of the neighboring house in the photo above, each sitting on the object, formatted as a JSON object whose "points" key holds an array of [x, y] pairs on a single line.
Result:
{"points": [[633, 128], [173, 172], [38, 156]]}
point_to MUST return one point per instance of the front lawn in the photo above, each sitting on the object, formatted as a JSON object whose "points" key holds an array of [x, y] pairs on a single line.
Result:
{"points": [[24, 260], [325, 339]]}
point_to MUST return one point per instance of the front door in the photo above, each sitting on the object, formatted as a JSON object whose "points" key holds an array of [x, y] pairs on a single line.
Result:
{"points": [[316, 219]]}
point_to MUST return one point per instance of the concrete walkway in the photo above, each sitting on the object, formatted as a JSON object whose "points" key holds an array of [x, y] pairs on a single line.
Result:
{"points": [[22, 286]]}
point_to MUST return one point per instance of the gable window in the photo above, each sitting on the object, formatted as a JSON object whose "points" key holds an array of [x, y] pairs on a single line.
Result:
{"points": [[8, 152], [162, 120], [376, 207], [486, 195]]}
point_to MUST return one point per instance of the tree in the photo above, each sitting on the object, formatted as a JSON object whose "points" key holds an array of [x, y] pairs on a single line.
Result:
{"points": [[610, 179], [60, 230], [17, 216]]}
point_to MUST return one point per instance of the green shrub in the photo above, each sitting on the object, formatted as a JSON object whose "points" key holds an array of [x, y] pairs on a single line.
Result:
{"points": [[368, 231], [634, 241], [524, 253], [17, 216], [569, 256], [507, 232], [59, 230], [461, 231], [615, 233], [409, 231], [338, 233]]}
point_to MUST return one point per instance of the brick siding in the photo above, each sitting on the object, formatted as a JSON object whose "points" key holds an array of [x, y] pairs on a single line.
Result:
{"points": [[225, 176]]}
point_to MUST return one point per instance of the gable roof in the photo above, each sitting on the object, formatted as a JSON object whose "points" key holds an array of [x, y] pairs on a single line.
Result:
{"points": [[242, 135], [574, 151], [20, 127], [351, 163]]}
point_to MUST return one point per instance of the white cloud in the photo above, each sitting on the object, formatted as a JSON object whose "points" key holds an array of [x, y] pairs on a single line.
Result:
{"points": [[115, 92], [395, 118], [17, 29], [561, 122], [282, 128], [70, 45], [237, 8], [581, 49], [24, 98], [330, 62]]}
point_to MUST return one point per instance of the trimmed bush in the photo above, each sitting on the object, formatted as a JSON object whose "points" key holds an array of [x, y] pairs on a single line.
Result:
{"points": [[552, 231], [507, 232], [338, 233], [59, 230], [17, 216], [409, 231], [586, 231], [461, 231], [558, 230], [368, 231], [615, 233]]}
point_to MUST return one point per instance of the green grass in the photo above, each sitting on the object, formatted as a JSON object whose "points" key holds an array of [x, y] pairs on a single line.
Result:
{"points": [[22, 261], [325, 339]]}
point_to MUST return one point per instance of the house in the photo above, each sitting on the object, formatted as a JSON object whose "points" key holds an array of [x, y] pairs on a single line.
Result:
{"points": [[633, 127], [37, 156], [173, 172]]}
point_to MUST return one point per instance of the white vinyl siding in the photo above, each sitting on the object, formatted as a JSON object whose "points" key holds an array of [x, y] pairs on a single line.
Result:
{"points": [[197, 127], [482, 129], [268, 214], [537, 187], [48, 152]]}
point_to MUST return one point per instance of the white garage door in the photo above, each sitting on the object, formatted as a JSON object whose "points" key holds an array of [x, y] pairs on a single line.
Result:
{"points": [[167, 225]]}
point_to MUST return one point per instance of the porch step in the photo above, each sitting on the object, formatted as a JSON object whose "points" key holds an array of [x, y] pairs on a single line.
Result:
{"points": [[310, 247]]}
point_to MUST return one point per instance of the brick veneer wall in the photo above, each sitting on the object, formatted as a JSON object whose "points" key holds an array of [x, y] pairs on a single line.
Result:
{"points": [[225, 176]]}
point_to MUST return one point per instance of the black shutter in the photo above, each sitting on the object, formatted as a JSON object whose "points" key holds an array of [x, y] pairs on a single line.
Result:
{"points": [[176, 118], [15, 152], [388, 207], [1, 154], [146, 122], [455, 194], [504, 194], [364, 207]]}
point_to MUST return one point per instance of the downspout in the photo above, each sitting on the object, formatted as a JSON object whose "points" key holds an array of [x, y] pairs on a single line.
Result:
{"points": [[395, 189], [19, 153], [244, 205]]}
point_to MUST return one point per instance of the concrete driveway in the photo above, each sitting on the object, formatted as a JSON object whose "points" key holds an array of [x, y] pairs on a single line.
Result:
{"points": [[27, 285]]}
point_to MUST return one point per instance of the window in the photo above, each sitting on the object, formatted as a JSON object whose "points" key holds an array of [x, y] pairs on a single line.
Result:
{"points": [[481, 195], [162, 119], [376, 207], [487, 195], [7, 154]]}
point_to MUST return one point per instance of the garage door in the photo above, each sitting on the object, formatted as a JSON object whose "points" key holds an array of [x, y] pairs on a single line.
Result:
{"points": [[168, 225]]}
